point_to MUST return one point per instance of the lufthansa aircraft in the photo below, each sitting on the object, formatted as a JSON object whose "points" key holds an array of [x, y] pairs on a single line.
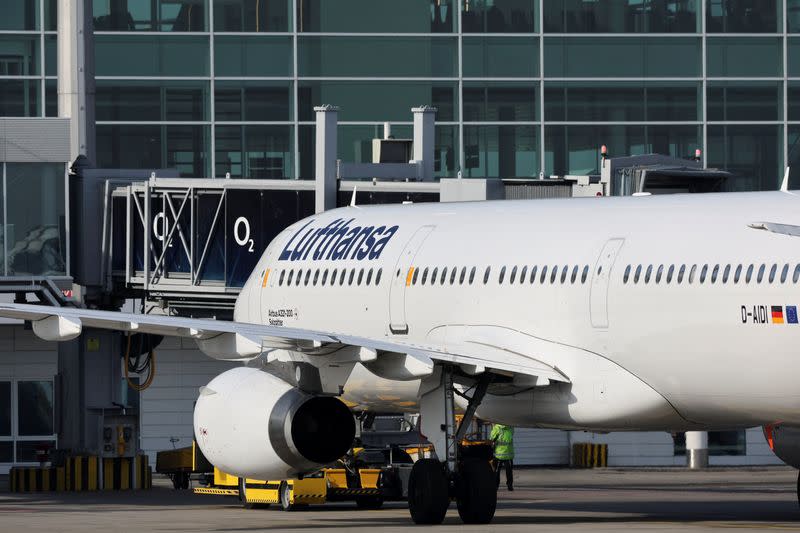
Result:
{"points": [[667, 313]]}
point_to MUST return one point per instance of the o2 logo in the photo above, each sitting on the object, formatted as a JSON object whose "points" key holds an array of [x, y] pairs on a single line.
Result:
{"points": [[161, 228], [241, 233]]}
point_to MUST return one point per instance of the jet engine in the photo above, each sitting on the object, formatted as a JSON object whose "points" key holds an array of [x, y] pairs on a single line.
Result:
{"points": [[784, 441], [252, 424]]}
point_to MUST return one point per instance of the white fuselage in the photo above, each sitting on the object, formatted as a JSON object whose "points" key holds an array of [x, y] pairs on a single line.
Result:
{"points": [[657, 353]]}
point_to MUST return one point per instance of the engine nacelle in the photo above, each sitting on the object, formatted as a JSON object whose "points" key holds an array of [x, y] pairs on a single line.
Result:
{"points": [[784, 441], [251, 424]]}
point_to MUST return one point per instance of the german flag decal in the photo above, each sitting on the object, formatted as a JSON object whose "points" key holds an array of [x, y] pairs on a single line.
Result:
{"points": [[777, 314]]}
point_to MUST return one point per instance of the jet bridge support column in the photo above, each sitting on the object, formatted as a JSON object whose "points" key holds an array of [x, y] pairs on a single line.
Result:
{"points": [[326, 146], [697, 449]]}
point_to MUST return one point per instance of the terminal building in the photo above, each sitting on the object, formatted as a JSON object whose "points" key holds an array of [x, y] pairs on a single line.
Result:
{"points": [[227, 88]]}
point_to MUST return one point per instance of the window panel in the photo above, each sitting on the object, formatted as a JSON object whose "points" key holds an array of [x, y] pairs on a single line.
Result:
{"points": [[501, 151], [35, 408], [622, 57], [246, 15], [378, 101], [19, 15], [255, 151], [51, 98], [50, 55], [5, 410], [26, 450], [151, 100], [500, 16], [19, 55], [487, 57], [36, 221], [743, 16], [51, 15], [253, 100], [151, 55], [793, 56], [154, 146], [499, 102], [154, 15], [252, 56], [19, 98], [6, 451], [753, 152], [576, 149], [744, 56], [613, 16], [377, 56], [379, 16], [794, 156], [739, 101]]}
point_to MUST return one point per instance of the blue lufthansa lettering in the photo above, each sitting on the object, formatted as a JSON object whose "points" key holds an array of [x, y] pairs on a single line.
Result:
{"points": [[337, 241]]}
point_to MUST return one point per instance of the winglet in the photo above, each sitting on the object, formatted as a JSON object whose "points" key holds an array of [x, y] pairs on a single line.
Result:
{"points": [[785, 182]]}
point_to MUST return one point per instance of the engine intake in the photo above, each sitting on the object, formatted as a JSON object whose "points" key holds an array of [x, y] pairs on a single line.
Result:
{"points": [[251, 424]]}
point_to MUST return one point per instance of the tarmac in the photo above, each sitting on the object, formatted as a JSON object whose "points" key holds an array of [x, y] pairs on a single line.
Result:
{"points": [[750, 499]]}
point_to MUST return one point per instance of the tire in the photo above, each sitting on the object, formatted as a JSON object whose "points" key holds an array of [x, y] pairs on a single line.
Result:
{"points": [[476, 494], [243, 497], [369, 502], [284, 493], [428, 496]]}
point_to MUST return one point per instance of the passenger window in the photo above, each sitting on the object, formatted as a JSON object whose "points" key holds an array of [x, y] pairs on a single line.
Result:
{"points": [[544, 274], [378, 276], [761, 270], [523, 274], [502, 275], [308, 277], [463, 275], [796, 275], [433, 275], [453, 273], [291, 276], [299, 278], [324, 277], [333, 277], [681, 272], [424, 275], [738, 274], [316, 276], [749, 274], [714, 274], [533, 274], [486, 275], [513, 276], [353, 275], [703, 273], [553, 274], [785, 273], [564, 271], [584, 274], [772, 272], [626, 276], [415, 276], [283, 274], [726, 273], [444, 276], [670, 272], [659, 273], [637, 274], [648, 273], [574, 275], [369, 277], [360, 276], [471, 275], [692, 272]]}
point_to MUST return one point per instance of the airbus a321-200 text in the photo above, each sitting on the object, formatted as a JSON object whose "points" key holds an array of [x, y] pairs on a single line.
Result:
{"points": [[665, 313]]}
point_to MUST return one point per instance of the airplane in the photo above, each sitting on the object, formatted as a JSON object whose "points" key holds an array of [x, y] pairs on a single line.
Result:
{"points": [[671, 313]]}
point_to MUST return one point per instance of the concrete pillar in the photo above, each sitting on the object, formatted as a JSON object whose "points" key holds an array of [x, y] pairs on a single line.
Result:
{"points": [[697, 449], [76, 87], [326, 188], [425, 139]]}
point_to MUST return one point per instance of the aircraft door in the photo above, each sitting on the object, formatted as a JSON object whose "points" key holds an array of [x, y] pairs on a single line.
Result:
{"points": [[401, 278], [598, 307]]}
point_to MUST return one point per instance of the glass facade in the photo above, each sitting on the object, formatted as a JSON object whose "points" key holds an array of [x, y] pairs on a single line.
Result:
{"points": [[522, 86]]}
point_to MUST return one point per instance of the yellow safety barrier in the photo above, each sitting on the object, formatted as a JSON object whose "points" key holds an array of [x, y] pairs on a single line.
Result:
{"points": [[589, 455], [82, 473], [121, 473], [36, 479]]}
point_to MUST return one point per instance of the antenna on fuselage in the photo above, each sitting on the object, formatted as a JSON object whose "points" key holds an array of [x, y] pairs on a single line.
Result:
{"points": [[785, 182]]}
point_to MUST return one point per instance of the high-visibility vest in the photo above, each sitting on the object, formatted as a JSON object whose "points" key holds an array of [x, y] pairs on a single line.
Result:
{"points": [[503, 437]]}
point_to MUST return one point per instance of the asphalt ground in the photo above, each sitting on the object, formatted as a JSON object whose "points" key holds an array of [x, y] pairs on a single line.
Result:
{"points": [[753, 499]]}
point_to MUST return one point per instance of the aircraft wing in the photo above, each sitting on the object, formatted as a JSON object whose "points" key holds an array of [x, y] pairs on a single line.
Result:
{"points": [[233, 341]]}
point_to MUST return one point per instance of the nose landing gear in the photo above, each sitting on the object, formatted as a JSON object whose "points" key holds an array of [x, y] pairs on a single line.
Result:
{"points": [[471, 482]]}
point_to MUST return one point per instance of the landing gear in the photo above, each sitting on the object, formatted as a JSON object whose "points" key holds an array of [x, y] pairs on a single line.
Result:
{"points": [[243, 497], [433, 482], [286, 497]]}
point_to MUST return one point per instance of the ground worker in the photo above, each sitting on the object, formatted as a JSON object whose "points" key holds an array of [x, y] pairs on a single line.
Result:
{"points": [[503, 439]]}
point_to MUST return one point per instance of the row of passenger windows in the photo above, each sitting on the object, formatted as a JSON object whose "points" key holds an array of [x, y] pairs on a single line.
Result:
{"points": [[330, 277], [514, 275], [708, 273]]}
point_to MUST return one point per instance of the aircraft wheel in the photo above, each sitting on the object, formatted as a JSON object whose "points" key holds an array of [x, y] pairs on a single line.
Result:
{"points": [[476, 494], [243, 497], [428, 497], [285, 493]]}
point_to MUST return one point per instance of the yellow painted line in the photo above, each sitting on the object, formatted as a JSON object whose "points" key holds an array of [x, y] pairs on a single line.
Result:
{"points": [[266, 277], [409, 276]]}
